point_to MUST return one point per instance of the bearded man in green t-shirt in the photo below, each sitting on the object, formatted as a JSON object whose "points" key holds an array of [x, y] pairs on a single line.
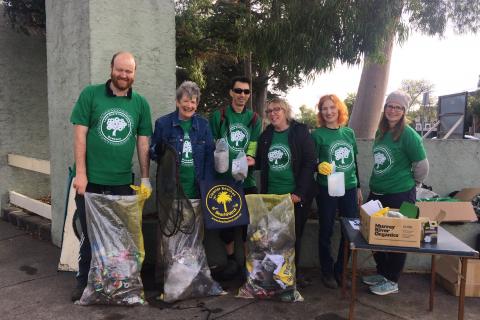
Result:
{"points": [[240, 127], [109, 120]]}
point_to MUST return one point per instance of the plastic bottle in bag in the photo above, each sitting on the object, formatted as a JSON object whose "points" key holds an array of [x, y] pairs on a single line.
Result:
{"points": [[221, 156], [240, 167]]}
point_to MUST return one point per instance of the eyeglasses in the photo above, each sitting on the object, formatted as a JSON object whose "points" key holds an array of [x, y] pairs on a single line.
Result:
{"points": [[275, 110], [239, 91], [395, 108]]}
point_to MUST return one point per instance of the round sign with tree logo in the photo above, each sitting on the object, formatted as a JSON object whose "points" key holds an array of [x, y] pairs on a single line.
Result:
{"points": [[115, 126], [341, 152], [278, 157], [382, 160], [237, 137], [224, 203]]}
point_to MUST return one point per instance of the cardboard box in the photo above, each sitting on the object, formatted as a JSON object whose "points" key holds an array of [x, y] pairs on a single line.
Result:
{"points": [[391, 231], [448, 275], [455, 211], [467, 194]]}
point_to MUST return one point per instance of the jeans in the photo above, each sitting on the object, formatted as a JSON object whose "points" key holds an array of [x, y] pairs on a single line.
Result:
{"points": [[347, 206], [302, 210], [389, 264], [85, 254]]}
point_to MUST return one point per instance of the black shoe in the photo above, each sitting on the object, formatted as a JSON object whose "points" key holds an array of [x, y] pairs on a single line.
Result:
{"points": [[302, 282], [338, 278], [329, 281], [77, 293]]}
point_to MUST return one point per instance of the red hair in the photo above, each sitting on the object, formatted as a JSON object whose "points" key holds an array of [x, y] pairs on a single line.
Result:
{"points": [[339, 104]]}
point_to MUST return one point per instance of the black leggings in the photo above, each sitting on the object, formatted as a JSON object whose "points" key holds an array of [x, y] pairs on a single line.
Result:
{"points": [[228, 234], [389, 264]]}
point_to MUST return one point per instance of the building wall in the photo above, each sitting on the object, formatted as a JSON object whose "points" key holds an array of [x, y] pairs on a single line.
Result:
{"points": [[23, 110]]}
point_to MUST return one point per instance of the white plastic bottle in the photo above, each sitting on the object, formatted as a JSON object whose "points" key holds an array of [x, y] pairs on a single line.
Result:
{"points": [[336, 183]]}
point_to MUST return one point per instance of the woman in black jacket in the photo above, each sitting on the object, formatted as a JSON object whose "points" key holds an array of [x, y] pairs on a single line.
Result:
{"points": [[286, 159]]}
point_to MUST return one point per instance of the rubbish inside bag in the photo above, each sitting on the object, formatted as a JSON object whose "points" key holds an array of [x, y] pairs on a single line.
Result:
{"points": [[187, 274], [271, 249], [114, 226], [240, 167], [221, 156]]}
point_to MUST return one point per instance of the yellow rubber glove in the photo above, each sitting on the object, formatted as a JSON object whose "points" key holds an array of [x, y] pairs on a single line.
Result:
{"points": [[325, 168], [381, 212], [143, 191]]}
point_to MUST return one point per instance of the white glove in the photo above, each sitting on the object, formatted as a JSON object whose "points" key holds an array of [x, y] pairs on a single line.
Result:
{"points": [[146, 183]]}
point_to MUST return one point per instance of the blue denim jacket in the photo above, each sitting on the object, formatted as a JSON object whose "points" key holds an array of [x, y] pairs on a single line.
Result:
{"points": [[168, 130]]}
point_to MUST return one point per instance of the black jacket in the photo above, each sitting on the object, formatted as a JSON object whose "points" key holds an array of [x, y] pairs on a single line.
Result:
{"points": [[302, 148]]}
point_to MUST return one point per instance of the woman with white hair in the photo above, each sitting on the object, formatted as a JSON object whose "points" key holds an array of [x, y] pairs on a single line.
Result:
{"points": [[400, 164], [292, 170]]}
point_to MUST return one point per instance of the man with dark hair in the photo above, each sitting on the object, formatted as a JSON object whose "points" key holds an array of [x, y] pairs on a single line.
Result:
{"points": [[109, 120], [240, 127]]}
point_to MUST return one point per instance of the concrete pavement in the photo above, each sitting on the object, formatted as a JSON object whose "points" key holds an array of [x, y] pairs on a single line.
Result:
{"points": [[31, 287]]}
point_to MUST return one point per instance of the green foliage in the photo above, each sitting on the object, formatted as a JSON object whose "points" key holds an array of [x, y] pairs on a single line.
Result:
{"points": [[295, 38], [350, 101], [473, 104], [432, 16], [307, 116], [26, 16]]}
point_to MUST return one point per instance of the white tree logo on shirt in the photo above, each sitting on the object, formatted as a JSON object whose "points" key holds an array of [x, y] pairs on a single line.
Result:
{"points": [[275, 155], [382, 160], [238, 138], [187, 156], [278, 157], [115, 126], [341, 152]]}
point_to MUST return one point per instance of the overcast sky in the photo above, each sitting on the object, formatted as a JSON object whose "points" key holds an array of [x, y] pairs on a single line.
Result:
{"points": [[452, 64]]}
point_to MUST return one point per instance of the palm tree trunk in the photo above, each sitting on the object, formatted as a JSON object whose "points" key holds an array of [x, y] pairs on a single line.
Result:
{"points": [[371, 94]]}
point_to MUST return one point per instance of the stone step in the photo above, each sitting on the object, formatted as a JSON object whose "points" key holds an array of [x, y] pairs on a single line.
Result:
{"points": [[33, 224]]}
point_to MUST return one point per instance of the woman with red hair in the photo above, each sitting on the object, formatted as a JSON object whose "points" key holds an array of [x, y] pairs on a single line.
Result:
{"points": [[335, 144]]}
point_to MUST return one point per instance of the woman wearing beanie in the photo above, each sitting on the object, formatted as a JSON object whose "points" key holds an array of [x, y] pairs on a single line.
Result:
{"points": [[400, 163], [335, 143]]}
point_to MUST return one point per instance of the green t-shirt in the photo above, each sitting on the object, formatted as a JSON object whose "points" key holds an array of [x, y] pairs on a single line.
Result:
{"points": [[187, 168], [280, 173], [113, 125], [241, 135], [392, 168], [338, 146]]}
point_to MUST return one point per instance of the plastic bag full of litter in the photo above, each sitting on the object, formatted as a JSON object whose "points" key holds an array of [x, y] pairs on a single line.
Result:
{"points": [[187, 274], [271, 249], [114, 225], [240, 167], [221, 156]]}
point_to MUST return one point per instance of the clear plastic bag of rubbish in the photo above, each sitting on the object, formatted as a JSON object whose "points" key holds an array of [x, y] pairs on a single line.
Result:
{"points": [[187, 274], [114, 226], [221, 156], [240, 167], [271, 249], [423, 193]]}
